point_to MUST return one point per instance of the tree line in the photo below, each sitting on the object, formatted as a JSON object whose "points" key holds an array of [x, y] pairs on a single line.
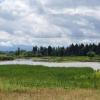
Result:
{"points": [[72, 50]]}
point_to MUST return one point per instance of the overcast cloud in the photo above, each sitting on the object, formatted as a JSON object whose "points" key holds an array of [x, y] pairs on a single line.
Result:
{"points": [[49, 22]]}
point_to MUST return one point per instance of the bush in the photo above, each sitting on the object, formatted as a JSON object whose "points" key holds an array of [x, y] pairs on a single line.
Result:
{"points": [[3, 58], [91, 54]]}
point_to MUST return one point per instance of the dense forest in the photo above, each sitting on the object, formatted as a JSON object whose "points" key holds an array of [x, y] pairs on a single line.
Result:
{"points": [[73, 49]]}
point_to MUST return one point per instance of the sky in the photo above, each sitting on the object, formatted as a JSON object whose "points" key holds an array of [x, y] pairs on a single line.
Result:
{"points": [[49, 22]]}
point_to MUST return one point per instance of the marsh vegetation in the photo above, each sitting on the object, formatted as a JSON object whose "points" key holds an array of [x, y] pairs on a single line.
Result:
{"points": [[21, 77]]}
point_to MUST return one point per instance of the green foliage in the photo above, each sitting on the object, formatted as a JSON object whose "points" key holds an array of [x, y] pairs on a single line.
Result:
{"points": [[17, 77], [91, 54], [5, 57]]}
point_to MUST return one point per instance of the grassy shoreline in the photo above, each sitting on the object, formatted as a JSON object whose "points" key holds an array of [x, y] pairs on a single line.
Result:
{"points": [[68, 59], [53, 58]]}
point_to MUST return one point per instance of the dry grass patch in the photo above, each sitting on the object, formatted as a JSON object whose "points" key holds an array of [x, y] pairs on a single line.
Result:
{"points": [[52, 94]]}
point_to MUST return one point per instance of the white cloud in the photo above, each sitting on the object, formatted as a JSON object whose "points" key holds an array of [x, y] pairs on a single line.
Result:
{"points": [[4, 35], [48, 22], [14, 8], [6, 44], [82, 11]]}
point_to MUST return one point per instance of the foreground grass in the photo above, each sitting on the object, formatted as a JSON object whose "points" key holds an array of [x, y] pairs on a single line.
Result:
{"points": [[68, 58], [24, 82], [52, 94], [26, 77]]}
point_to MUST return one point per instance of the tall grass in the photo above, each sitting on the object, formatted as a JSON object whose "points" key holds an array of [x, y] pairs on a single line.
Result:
{"points": [[20, 77]]}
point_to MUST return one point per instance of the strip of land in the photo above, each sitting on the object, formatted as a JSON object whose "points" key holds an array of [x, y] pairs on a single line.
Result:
{"points": [[53, 58], [68, 59]]}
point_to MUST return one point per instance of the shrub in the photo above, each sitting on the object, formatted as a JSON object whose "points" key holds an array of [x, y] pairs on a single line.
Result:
{"points": [[2, 58], [91, 54]]}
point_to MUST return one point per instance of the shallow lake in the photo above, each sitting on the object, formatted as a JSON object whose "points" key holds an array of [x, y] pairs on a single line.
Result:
{"points": [[94, 65]]}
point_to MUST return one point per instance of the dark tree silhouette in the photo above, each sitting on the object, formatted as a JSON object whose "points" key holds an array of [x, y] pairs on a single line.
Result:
{"points": [[72, 50]]}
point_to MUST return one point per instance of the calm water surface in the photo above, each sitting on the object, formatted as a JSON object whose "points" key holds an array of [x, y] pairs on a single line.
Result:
{"points": [[94, 65]]}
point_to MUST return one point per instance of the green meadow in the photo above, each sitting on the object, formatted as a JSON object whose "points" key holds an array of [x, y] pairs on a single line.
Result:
{"points": [[27, 77]]}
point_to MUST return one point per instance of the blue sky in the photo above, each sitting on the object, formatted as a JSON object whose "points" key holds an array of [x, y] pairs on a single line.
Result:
{"points": [[49, 22]]}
